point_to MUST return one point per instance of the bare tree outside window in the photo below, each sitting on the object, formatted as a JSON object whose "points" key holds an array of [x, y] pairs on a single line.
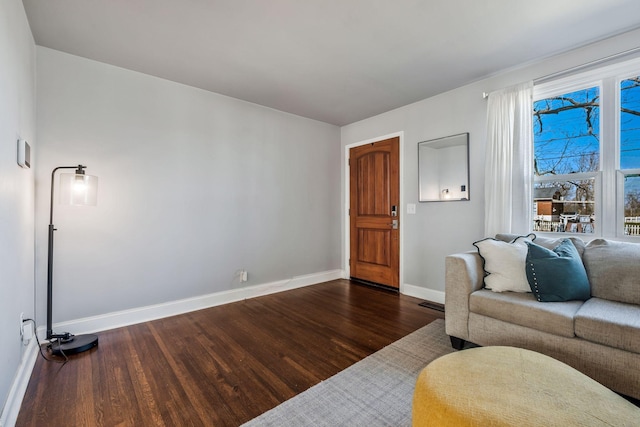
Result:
{"points": [[566, 158], [630, 152], [630, 123]]}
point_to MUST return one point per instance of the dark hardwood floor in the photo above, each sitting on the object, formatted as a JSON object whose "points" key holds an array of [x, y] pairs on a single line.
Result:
{"points": [[221, 366]]}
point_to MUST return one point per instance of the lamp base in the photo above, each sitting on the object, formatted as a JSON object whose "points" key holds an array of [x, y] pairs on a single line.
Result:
{"points": [[76, 344]]}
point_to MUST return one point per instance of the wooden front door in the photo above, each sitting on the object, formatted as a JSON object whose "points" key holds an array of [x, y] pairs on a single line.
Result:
{"points": [[374, 210]]}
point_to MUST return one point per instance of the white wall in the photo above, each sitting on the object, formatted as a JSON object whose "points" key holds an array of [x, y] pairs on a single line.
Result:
{"points": [[439, 229], [17, 119], [193, 186]]}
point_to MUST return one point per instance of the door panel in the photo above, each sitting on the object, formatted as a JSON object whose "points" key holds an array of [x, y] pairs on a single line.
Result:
{"points": [[373, 177], [374, 190], [372, 246]]}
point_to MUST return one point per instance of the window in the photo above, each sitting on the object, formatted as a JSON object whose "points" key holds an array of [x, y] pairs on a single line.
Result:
{"points": [[566, 151], [586, 149], [630, 152]]}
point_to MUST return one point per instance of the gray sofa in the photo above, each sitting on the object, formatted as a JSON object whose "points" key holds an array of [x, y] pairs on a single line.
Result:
{"points": [[600, 336]]}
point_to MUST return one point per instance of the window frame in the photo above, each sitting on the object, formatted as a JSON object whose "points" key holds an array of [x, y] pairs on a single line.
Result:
{"points": [[609, 179], [620, 175]]}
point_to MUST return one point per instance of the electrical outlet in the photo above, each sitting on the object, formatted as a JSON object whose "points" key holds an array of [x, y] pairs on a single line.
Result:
{"points": [[27, 332], [244, 276]]}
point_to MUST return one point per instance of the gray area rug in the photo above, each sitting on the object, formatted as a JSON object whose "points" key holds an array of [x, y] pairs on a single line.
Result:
{"points": [[377, 391]]}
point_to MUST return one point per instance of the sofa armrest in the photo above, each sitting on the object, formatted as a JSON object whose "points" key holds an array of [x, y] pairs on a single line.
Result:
{"points": [[464, 275]]}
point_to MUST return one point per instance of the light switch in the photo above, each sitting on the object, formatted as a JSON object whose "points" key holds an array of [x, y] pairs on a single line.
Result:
{"points": [[411, 208], [24, 154]]}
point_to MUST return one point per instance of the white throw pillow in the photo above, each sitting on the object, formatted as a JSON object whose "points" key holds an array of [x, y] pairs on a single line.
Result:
{"points": [[504, 264]]}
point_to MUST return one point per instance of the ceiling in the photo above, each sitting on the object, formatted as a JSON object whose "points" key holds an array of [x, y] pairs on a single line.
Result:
{"points": [[337, 61]]}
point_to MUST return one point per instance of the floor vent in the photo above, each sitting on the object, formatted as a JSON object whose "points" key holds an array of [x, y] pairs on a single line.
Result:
{"points": [[432, 305]]}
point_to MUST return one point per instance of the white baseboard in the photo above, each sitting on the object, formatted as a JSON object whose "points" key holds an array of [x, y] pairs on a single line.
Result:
{"points": [[11, 409], [423, 293], [152, 312]]}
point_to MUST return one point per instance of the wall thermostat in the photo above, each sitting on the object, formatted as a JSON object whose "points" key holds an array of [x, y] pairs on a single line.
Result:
{"points": [[24, 153]]}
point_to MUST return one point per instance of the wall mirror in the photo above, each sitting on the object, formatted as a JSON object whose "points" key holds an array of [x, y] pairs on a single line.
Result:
{"points": [[443, 169]]}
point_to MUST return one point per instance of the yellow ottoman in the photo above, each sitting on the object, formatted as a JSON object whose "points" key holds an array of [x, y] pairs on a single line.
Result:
{"points": [[508, 386]]}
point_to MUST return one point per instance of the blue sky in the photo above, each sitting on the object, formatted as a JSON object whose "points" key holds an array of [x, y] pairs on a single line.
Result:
{"points": [[563, 139], [630, 126], [563, 142]]}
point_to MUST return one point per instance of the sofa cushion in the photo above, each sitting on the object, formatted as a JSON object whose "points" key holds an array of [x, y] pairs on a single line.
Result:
{"points": [[523, 309], [558, 274], [504, 264], [546, 242], [613, 269], [611, 323]]}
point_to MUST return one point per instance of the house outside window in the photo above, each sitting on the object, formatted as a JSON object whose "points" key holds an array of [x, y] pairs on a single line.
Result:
{"points": [[587, 153]]}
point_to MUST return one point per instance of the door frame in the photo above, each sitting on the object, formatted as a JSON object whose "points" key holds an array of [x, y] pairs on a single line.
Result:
{"points": [[345, 213]]}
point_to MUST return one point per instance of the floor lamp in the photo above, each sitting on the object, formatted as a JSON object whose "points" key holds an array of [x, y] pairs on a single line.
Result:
{"points": [[75, 189]]}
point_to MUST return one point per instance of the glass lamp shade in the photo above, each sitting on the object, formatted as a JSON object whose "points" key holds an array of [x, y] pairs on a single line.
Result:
{"points": [[78, 189]]}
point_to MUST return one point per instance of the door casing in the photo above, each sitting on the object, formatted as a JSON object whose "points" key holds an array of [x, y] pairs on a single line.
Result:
{"points": [[401, 214]]}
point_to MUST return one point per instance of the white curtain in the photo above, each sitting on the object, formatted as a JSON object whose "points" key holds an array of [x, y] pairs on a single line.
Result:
{"points": [[509, 161]]}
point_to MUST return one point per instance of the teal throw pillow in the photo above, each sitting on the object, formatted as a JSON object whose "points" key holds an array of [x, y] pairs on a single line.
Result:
{"points": [[558, 274]]}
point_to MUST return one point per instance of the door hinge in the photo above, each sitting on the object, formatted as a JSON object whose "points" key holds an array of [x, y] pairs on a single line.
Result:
{"points": [[349, 212]]}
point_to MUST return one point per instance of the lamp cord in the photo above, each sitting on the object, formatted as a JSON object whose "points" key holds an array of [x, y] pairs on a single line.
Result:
{"points": [[66, 359]]}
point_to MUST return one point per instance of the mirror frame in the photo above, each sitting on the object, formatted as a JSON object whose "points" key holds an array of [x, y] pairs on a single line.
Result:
{"points": [[461, 193]]}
